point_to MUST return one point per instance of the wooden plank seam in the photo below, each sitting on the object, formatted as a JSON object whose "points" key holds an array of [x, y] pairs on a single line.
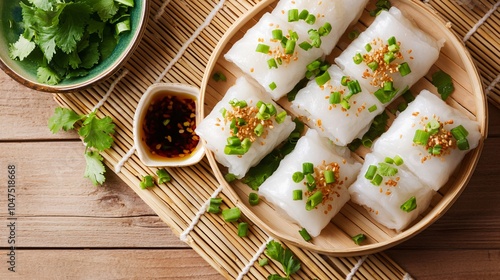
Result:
{"points": [[480, 22], [257, 254], [203, 209]]}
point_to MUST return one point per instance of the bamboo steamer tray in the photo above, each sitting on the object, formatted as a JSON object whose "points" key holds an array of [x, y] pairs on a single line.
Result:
{"points": [[335, 239]]}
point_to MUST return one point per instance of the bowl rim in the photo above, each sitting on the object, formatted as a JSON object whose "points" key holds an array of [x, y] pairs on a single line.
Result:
{"points": [[435, 213], [143, 105], [108, 71]]}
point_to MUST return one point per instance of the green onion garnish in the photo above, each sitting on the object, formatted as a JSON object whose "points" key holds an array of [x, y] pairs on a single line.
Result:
{"points": [[459, 132], [231, 214], [303, 14], [280, 118], [435, 150], [323, 79], [230, 150], [307, 168], [271, 63], [444, 84], [297, 195], [290, 46], [223, 111], [372, 108], [384, 96], [314, 200], [345, 104], [433, 126], [368, 47], [303, 232], [388, 86], [391, 41], [354, 87], [421, 137], [238, 103], [344, 80], [298, 176], [262, 48], [404, 69], [358, 238], [258, 130], [325, 29], [393, 48], [373, 65], [272, 86], [409, 205], [214, 205], [388, 160], [310, 19], [463, 144], [253, 198], [229, 177], [335, 97], [242, 229], [370, 172], [398, 160], [315, 38], [277, 34], [389, 57], [329, 176], [233, 141], [385, 169], [358, 58], [146, 182], [310, 182], [313, 65], [293, 15], [305, 46], [377, 180]]}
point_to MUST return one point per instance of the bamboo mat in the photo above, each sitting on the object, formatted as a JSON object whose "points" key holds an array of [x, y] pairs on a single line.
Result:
{"points": [[180, 37]]}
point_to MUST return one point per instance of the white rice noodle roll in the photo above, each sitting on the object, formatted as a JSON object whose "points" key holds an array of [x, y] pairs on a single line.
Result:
{"points": [[339, 14], [417, 48], [383, 202], [398, 139], [215, 131], [332, 120], [278, 188], [255, 64]]}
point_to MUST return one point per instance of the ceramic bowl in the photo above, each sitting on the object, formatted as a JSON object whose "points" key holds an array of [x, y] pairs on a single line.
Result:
{"points": [[25, 71], [154, 92]]}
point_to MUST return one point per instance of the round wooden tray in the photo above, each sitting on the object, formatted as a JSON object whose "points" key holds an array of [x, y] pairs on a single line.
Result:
{"points": [[335, 239]]}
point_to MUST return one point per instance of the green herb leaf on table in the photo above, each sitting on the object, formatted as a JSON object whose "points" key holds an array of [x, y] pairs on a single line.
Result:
{"points": [[163, 176], [95, 168], [147, 182], [284, 256], [64, 119], [97, 132]]}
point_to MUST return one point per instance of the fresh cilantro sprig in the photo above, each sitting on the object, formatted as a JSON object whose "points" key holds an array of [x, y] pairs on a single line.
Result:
{"points": [[284, 256], [96, 133], [67, 38]]}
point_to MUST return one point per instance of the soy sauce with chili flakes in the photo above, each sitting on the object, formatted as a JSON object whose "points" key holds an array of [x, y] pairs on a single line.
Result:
{"points": [[169, 126]]}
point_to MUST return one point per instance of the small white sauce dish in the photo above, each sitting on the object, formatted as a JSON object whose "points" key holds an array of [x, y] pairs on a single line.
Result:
{"points": [[154, 92]]}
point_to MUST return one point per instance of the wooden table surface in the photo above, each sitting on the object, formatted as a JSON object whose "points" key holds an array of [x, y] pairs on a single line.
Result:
{"points": [[65, 227]]}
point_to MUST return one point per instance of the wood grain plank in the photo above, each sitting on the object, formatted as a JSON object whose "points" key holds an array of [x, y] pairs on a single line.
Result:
{"points": [[109, 264]]}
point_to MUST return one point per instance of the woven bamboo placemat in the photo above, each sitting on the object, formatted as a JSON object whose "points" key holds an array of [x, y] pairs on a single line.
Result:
{"points": [[176, 46]]}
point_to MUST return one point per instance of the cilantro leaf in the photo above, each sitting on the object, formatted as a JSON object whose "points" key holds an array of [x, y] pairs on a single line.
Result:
{"points": [[21, 49], [95, 168], [72, 22], [284, 256], [64, 119], [47, 76], [90, 56], [106, 9], [97, 132], [45, 5]]}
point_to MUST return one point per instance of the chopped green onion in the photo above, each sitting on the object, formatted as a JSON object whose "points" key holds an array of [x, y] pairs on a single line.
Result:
{"points": [[344, 80], [435, 150], [263, 261], [377, 180], [310, 182], [402, 106], [463, 144], [388, 86], [297, 195], [303, 232], [329, 176], [272, 86], [370, 172], [325, 29], [354, 87], [353, 35], [147, 182], [404, 69], [258, 130], [314, 200], [459, 132], [393, 48], [433, 126], [223, 111], [384, 96], [290, 46], [253, 198], [315, 38], [391, 41], [277, 34], [358, 238], [163, 176], [231, 214], [293, 15], [238, 103], [214, 205], [298, 176], [421, 137], [385, 169], [246, 143], [313, 65], [230, 150], [305, 46], [373, 65], [233, 141], [241, 121], [372, 108], [242, 229], [303, 14], [368, 47], [388, 160], [310, 19], [219, 76], [280, 118], [345, 104], [366, 141], [335, 97], [409, 205], [166, 122], [262, 48], [307, 168], [398, 160], [271, 63], [389, 57], [444, 84], [229, 177], [407, 96], [358, 58], [323, 79]]}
